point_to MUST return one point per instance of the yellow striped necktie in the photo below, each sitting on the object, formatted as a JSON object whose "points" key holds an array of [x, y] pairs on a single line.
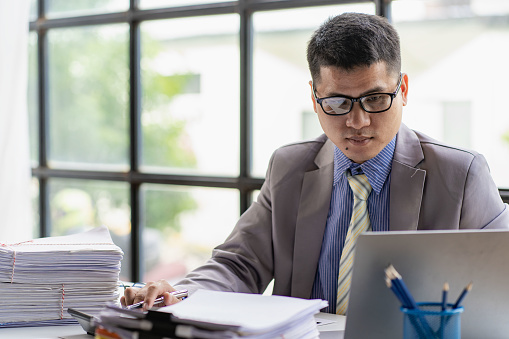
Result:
{"points": [[358, 223]]}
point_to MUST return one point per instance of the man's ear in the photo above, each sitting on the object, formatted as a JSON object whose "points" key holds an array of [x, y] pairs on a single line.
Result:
{"points": [[312, 96], [404, 89]]}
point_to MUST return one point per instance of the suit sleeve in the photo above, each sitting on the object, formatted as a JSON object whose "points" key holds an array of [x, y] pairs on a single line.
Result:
{"points": [[244, 262], [482, 205]]}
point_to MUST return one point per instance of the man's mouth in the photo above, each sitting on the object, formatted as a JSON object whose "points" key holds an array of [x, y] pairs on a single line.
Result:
{"points": [[359, 140]]}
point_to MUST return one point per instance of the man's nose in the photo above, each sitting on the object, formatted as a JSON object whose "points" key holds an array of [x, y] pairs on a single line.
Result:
{"points": [[358, 117]]}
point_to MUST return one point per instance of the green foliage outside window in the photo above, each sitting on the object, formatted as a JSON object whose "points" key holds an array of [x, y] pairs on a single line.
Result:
{"points": [[89, 103]]}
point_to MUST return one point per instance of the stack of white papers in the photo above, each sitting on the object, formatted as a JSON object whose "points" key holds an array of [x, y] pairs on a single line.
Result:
{"points": [[251, 315], [41, 278], [212, 314]]}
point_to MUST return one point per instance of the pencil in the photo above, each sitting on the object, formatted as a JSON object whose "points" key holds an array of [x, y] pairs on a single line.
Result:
{"points": [[445, 291], [463, 294], [393, 288], [444, 296], [399, 288], [397, 280]]}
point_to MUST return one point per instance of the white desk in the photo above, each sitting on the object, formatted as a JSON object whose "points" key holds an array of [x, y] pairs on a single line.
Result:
{"points": [[328, 331], [46, 332]]}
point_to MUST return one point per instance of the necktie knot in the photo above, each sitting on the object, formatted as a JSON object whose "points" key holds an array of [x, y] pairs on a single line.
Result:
{"points": [[360, 186]]}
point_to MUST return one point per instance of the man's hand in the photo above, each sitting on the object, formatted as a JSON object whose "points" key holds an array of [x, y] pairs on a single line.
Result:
{"points": [[149, 293]]}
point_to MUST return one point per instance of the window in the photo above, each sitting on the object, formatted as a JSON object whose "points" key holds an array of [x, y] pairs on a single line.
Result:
{"points": [[157, 118], [457, 123], [190, 95], [454, 53], [144, 122], [88, 83], [280, 70]]}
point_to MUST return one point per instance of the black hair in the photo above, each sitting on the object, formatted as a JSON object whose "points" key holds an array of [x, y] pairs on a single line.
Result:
{"points": [[351, 40]]}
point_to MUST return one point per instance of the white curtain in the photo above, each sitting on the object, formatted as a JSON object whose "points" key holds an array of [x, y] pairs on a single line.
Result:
{"points": [[15, 194]]}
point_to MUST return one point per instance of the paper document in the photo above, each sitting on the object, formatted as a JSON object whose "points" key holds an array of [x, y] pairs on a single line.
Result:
{"points": [[254, 314], [41, 278], [221, 315]]}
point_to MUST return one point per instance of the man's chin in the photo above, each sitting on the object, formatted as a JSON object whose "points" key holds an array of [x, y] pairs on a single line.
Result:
{"points": [[358, 155]]}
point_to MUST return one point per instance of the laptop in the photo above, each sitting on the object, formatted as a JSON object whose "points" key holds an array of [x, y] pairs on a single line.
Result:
{"points": [[426, 260]]}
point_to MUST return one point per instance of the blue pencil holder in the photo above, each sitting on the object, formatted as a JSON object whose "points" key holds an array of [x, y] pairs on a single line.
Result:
{"points": [[430, 322]]}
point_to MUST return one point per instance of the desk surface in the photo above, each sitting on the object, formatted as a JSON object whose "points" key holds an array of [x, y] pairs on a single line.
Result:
{"points": [[46, 332], [330, 330]]}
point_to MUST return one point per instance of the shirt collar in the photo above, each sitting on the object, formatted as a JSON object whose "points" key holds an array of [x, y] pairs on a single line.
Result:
{"points": [[376, 169]]}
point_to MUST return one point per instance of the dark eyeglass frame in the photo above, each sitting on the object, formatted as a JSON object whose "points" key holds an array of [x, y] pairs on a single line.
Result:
{"points": [[359, 99]]}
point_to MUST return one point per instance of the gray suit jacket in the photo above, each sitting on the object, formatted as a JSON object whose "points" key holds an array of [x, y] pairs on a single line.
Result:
{"points": [[433, 186]]}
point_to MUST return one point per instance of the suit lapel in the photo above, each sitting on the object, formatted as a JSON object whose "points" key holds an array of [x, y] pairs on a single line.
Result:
{"points": [[311, 220], [407, 182]]}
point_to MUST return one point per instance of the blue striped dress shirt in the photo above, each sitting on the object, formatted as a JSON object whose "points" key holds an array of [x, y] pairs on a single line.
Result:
{"points": [[378, 171]]}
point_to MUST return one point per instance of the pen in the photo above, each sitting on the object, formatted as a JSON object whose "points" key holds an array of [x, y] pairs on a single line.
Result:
{"points": [[462, 295], [160, 300]]}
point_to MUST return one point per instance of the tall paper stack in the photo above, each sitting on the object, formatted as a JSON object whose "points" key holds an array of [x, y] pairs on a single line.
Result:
{"points": [[41, 278]]}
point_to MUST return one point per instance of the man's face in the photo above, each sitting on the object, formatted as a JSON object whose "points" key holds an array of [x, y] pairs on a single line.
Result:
{"points": [[358, 134]]}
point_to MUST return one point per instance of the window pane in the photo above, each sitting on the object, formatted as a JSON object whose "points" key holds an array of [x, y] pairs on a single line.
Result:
{"points": [[144, 4], [254, 195], [32, 15], [182, 226], [454, 52], [190, 77], [32, 96], [282, 107], [62, 8], [88, 90], [78, 205], [36, 224]]}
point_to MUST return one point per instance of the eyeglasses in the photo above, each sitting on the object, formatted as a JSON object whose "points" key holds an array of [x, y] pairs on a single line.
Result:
{"points": [[371, 103]]}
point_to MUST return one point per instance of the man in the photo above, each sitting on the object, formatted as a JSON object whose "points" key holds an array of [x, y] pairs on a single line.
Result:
{"points": [[306, 213]]}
